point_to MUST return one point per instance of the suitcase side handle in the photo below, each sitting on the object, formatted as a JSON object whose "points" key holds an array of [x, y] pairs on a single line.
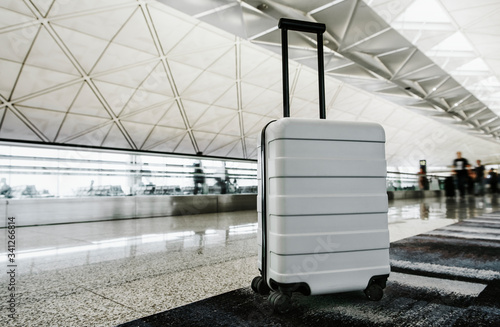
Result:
{"points": [[286, 24]]}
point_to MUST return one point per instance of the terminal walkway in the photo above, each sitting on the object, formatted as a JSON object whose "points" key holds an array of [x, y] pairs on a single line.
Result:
{"points": [[186, 270]]}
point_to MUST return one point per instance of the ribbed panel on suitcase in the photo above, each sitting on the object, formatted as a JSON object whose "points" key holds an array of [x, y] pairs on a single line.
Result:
{"points": [[326, 204]]}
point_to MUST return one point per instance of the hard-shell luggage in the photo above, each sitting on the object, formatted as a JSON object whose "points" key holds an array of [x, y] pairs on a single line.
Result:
{"points": [[322, 201]]}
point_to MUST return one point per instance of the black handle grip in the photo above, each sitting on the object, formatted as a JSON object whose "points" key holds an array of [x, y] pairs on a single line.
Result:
{"points": [[301, 26], [286, 24]]}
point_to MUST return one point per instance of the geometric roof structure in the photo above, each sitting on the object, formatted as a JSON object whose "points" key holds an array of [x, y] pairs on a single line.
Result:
{"points": [[205, 76]]}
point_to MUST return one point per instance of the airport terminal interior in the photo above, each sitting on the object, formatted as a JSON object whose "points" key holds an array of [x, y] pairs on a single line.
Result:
{"points": [[131, 138]]}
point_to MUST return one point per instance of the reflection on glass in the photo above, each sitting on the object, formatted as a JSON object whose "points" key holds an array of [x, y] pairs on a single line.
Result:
{"points": [[33, 172], [399, 181]]}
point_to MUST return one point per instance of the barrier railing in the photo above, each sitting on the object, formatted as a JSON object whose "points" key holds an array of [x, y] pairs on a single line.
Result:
{"points": [[397, 181]]}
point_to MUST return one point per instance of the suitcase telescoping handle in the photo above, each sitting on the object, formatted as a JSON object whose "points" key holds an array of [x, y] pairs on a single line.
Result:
{"points": [[286, 24]]}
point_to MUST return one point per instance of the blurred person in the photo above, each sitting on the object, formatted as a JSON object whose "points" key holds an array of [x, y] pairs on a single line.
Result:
{"points": [[449, 186], [479, 181], [198, 178], [91, 188], [493, 180], [5, 189], [460, 168], [226, 183], [423, 182], [234, 187], [471, 181]]}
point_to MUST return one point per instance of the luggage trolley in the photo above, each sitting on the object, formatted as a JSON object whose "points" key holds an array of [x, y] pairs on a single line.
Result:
{"points": [[322, 200]]}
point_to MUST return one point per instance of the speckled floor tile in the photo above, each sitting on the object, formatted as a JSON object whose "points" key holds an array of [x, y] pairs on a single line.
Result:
{"points": [[160, 293], [82, 308], [106, 273], [55, 300]]}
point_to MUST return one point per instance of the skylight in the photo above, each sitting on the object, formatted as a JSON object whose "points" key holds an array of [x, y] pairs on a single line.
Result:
{"points": [[425, 11], [456, 42]]}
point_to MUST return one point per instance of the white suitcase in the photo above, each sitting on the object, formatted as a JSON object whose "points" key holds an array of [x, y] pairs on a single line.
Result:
{"points": [[322, 206]]}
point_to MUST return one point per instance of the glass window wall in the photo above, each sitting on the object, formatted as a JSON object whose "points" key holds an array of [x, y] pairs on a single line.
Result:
{"points": [[34, 172]]}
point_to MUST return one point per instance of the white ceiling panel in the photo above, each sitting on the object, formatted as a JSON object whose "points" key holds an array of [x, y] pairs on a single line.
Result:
{"points": [[13, 125], [170, 26], [170, 145], [16, 7], [77, 42], [151, 114], [59, 99], [74, 126], [49, 120], [208, 87], [136, 34], [131, 77], [192, 111], [17, 42], [45, 53], [119, 56], [10, 71], [214, 119], [87, 103], [43, 6], [138, 132], [229, 99], [116, 96], [252, 123], [13, 18], [233, 127], [222, 145], [103, 24], [141, 100], [186, 145], [165, 138], [172, 117], [34, 80], [109, 136]]}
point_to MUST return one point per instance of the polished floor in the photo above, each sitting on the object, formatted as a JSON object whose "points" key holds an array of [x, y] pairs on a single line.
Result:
{"points": [[108, 273]]}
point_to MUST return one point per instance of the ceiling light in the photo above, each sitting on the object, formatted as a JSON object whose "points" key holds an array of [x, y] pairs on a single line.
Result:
{"points": [[262, 7]]}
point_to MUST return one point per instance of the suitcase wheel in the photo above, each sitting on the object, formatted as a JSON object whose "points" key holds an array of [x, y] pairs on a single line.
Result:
{"points": [[260, 286], [280, 302], [374, 292]]}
